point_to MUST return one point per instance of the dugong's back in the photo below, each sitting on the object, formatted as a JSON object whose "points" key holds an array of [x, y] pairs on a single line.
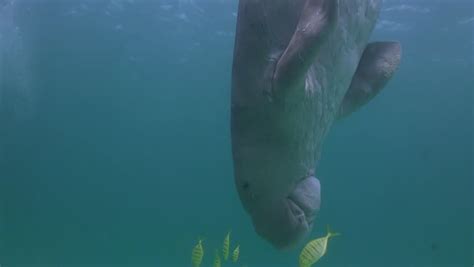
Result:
{"points": [[294, 61]]}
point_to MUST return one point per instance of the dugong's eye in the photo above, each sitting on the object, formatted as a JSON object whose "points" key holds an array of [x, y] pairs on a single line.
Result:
{"points": [[245, 186]]}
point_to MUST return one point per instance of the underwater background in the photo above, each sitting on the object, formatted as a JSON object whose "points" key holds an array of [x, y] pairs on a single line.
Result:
{"points": [[115, 139]]}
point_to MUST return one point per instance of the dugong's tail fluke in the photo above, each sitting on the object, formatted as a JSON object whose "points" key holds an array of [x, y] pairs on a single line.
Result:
{"points": [[317, 18], [376, 67]]}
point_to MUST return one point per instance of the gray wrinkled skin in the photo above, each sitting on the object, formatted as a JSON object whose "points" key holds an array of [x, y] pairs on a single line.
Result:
{"points": [[277, 138]]}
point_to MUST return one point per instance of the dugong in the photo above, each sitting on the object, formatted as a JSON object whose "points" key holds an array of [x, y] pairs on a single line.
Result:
{"points": [[298, 66]]}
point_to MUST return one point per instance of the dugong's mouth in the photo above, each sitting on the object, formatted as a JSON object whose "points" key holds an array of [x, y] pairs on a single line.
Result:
{"points": [[300, 213], [305, 200], [287, 221]]}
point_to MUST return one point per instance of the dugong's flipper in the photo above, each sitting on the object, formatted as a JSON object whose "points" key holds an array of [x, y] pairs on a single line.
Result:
{"points": [[317, 18], [376, 67]]}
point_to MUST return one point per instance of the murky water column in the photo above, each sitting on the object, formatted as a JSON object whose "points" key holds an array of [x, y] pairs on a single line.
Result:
{"points": [[17, 100]]}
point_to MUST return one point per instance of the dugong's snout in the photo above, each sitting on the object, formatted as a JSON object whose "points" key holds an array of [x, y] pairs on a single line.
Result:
{"points": [[284, 221]]}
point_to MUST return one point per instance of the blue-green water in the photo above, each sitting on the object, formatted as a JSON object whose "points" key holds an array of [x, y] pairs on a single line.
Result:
{"points": [[115, 140]]}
